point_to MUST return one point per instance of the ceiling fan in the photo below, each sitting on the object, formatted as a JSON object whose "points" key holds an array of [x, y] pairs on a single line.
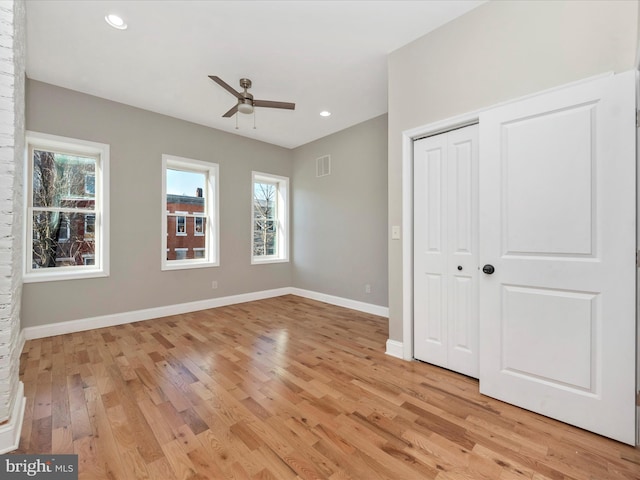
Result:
{"points": [[245, 99]]}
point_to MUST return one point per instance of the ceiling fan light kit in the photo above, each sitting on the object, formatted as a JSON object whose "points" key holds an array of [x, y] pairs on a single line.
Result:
{"points": [[246, 103], [245, 106]]}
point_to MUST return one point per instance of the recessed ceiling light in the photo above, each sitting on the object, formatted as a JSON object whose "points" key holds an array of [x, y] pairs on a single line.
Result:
{"points": [[325, 113], [115, 21]]}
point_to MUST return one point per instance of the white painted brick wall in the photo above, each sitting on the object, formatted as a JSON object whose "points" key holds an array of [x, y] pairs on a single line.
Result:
{"points": [[12, 87]]}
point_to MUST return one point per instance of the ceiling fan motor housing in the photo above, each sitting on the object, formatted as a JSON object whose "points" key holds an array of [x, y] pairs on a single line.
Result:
{"points": [[245, 104]]}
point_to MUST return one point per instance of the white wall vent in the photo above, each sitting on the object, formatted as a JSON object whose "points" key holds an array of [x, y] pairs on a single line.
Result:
{"points": [[323, 166]]}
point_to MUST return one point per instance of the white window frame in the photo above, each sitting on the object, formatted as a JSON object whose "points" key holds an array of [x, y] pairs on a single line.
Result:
{"points": [[71, 146], [282, 218], [86, 225], [181, 214], [211, 213], [197, 233]]}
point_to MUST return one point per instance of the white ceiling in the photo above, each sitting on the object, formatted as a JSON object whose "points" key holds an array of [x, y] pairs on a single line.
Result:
{"points": [[322, 55]]}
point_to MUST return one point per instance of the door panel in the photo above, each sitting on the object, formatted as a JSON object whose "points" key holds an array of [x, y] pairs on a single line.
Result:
{"points": [[462, 161], [563, 322], [430, 307], [557, 221], [445, 246]]}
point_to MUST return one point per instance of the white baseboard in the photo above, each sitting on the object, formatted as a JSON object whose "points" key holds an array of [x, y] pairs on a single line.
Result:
{"points": [[342, 302], [21, 340], [10, 431], [395, 349], [61, 328], [146, 314]]}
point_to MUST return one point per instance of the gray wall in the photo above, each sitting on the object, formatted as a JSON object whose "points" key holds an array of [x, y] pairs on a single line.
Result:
{"points": [[496, 52], [138, 139], [340, 220]]}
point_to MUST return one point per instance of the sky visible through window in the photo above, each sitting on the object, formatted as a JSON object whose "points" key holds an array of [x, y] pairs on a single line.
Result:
{"points": [[180, 182]]}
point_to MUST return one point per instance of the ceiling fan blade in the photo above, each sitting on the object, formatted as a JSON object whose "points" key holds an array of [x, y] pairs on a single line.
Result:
{"points": [[225, 85], [231, 112], [270, 104]]}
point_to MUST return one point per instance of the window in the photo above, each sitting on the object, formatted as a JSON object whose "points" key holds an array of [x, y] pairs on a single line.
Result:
{"points": [[89, 226], [66, 208], [65, 229], [189, 200], [181, 225], [198, 225], [269, 218], [181, 253]]}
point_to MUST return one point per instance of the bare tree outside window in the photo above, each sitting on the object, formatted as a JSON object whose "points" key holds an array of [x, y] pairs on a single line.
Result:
{"points": [[63, 204], [265, 219]]}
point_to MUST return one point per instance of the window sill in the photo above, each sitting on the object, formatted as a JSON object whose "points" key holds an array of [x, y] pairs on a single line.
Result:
{"points": [[46, 276], [261, 261], [187, 264]]}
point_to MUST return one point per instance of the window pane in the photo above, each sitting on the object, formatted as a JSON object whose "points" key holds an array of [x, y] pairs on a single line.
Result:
{"points": [[180, 241], [61, 180], [181, 225], [61, 240], [264, 217], [199, 225], [190, 213], [183, 185], [65, 227], [185, 195]]}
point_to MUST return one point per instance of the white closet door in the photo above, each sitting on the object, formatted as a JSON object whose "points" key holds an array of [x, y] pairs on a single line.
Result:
{"points": [[445, 246], [557, 221]]}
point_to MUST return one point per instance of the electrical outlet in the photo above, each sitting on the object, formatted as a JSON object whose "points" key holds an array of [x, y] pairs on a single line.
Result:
{"points": [[214, 284], [367, 288]]}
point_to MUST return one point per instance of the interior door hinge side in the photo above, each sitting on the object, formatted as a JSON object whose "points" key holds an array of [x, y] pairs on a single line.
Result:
{"points": [[637, 118], [638, 258]]}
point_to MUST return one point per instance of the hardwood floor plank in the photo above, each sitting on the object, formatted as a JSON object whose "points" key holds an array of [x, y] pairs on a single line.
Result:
{"points": [[107, 449], [41, 435], [62, 440], [180, 463], [89, 466], [204, 464], [283, 388], [161, 470], [227, 451], [42, 406], [134, 465]]}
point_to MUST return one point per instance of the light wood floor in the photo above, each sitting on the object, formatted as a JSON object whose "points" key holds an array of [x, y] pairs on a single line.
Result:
{"points": [[279, 389]]}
